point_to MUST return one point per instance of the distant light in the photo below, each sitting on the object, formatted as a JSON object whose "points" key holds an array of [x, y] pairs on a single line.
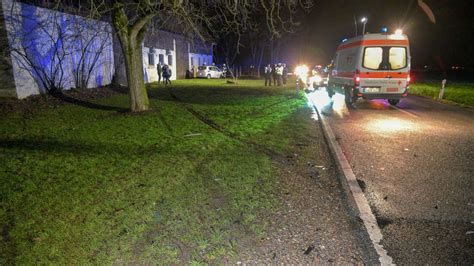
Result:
{"points": [[384, 29], [399, 32], [364, 19], [344, 40], [302, 72]]}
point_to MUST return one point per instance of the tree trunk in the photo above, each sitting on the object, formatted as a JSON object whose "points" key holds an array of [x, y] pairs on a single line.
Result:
{"points": [[131, 38], [136, 82], [262, 48]]}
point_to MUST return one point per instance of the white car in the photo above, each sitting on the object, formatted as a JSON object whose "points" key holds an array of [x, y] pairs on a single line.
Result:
{"points": [[210, 72], [318, 79]]}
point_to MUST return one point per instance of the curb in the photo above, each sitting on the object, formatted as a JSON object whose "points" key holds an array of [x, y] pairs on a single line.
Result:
{"points": [[353, 190]]}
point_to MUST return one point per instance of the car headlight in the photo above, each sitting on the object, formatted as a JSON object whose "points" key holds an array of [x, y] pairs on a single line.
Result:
{"points": [[318, 79], [301, 71]]}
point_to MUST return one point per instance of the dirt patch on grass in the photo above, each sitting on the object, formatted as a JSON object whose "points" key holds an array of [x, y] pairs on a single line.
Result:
{"points": [[313, 224]]}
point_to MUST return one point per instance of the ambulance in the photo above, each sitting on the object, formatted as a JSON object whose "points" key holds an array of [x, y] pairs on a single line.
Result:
{"points": [[371, 66]]}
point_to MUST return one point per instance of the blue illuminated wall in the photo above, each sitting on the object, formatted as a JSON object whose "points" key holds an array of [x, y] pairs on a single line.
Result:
{"points": [[50, 47]]}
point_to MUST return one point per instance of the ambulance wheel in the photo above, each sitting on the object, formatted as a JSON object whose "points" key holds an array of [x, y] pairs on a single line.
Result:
{"points": [[208, 76], [330, 90], [349, 96], [393, 101]]}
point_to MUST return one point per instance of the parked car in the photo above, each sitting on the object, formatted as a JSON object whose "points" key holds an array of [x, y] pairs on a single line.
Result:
{"points": [[210, 72], [319, 77]]}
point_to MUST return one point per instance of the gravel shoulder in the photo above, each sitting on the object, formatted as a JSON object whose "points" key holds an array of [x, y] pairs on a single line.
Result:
{"points": [[314, 223]]}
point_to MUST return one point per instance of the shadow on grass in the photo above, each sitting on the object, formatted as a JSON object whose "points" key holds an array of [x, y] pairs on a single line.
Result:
{"points": [[80, 147], [214, 95], [79, 102]]}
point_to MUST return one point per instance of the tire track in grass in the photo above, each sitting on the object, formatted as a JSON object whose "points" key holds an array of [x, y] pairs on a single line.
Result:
{"points": [[211, 123]]}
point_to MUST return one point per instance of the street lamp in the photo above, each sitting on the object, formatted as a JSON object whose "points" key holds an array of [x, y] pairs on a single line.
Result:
{"points": [[363, 20]]}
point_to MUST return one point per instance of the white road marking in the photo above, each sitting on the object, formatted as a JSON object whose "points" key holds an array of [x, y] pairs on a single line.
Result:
{"points": [[404, 111], [354, 191]]}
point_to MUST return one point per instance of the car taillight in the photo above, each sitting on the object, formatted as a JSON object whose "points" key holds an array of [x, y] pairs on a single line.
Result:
{"points": [[357, 78]]}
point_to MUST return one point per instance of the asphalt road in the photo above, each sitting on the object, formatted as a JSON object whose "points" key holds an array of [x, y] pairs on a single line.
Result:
{"points": [[415, 164]]}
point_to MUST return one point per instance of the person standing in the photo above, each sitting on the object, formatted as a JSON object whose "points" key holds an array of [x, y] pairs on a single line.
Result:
{"points": [[279, 74], [167, 74], [159, 70], [268, 75], [224, 71], [285, 74], [274, 75]]}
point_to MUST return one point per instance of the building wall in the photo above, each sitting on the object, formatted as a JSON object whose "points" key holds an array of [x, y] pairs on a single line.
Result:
{"points": [[160, 42], [172, 43], [24, 30], [168, 57], [7, 84], [42, 39], [196, 60]]}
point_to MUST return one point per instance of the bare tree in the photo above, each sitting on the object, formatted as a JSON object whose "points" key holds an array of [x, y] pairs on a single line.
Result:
{"points": [[205, 19], [39, 47], [57, 50], [92, 40], [257, 45]]}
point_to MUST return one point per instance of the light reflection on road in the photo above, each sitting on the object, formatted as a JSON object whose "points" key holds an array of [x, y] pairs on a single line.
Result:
{"points": [[390, 125], [320, 99], [377, 123]]}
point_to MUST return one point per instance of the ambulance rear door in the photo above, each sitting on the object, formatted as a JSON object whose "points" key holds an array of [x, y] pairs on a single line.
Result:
{"points": [[384, 69]]}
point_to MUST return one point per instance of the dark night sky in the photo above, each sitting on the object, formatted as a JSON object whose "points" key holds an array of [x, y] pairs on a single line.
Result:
{"points": [[451, 38]]}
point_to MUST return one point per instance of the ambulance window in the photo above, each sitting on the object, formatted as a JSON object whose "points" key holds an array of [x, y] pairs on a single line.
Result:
{"points": [[373, 57], [397, 57]]}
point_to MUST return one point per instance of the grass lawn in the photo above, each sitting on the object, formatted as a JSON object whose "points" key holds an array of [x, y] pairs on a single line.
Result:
{"points": [[460, 93], [181, 183]]}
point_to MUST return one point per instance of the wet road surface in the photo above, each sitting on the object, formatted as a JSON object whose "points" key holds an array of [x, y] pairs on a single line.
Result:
{"points": [[415, 164]]}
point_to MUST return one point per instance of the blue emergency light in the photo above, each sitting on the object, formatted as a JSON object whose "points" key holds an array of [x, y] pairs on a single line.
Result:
{"points": [[384, 29]]}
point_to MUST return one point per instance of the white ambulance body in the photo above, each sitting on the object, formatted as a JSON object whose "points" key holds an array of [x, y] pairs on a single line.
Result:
{"points": [[372, 66]]}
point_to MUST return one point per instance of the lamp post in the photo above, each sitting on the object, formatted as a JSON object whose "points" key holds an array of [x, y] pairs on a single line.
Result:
{"points": [[363, 20]]}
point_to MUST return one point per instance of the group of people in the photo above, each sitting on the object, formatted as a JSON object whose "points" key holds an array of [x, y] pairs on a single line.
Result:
{"points": [[164, 71], [277, 74]]}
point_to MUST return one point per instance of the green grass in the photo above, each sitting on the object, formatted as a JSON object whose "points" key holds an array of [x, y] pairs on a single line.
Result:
{"points": [[82, 185], [460, 93]]}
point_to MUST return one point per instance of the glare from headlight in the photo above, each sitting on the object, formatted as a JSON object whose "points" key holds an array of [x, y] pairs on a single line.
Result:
{"points": [[317, 78], [302, 71]]}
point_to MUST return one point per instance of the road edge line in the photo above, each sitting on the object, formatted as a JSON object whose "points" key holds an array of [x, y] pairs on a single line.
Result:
{"points": [[354, 191]]}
